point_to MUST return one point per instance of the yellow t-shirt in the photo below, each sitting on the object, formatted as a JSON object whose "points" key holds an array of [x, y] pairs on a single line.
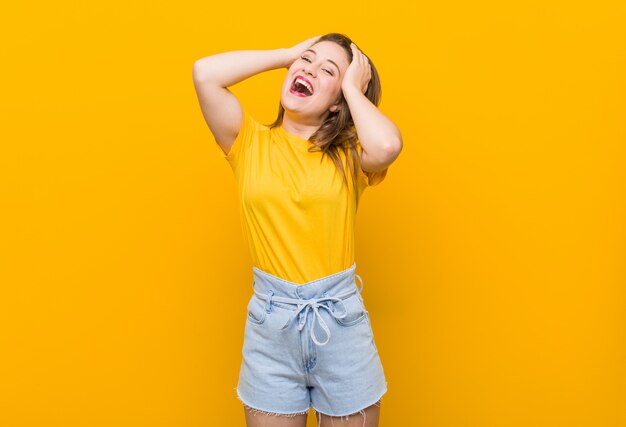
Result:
{"points": [[297, 215]]}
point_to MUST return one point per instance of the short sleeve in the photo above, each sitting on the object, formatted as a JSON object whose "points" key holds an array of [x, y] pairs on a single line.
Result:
{"points": [[370, 179], [245, 137]]}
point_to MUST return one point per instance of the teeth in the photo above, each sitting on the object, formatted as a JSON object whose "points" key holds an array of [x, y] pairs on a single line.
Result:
{"points": [[304, 82]]}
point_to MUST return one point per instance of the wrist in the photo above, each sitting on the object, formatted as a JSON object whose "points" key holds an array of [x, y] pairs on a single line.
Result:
{"points": [[351, 90], [287, 57]]}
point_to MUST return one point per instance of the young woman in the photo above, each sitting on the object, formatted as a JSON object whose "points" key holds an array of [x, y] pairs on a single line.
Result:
{"points": [[308, 340]]}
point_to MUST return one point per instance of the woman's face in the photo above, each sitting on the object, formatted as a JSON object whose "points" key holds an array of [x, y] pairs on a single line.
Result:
{"points": [[312, 87]]}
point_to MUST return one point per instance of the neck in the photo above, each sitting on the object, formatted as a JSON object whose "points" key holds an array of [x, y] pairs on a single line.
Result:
{"points": [[301, 127]]}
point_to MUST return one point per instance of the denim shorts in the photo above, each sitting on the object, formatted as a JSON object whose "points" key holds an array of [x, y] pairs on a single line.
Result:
{"points": [[309, 345]]}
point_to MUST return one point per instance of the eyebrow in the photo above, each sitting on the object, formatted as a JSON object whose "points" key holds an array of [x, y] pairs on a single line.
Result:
{"points": [[329, 60]]}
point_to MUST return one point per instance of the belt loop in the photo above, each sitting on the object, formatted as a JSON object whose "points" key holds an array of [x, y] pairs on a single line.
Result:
{"points": [[268, 301], [360, 280]]}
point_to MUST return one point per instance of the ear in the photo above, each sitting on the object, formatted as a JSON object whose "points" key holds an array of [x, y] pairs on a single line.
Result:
{"points": [[335, 108]]}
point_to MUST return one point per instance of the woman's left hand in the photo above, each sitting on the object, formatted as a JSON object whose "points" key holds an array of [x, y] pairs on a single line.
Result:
{"points": [[358, 73]]}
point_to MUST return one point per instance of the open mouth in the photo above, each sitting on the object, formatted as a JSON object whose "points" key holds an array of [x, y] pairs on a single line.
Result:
{"points": [[301, 87]]}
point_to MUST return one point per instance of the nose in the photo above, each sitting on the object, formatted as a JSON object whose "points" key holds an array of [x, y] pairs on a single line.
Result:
{"points": [[307, 69]]}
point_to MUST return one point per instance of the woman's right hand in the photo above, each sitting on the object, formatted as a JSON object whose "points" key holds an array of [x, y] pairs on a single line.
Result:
{"points": [[294, 52]]}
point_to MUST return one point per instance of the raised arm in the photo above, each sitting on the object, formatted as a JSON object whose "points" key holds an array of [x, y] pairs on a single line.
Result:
{"points": [[379, 137], [212, 75]]}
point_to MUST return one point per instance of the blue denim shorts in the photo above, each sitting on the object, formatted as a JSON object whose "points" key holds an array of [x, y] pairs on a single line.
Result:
{"points": [[309, 345]]}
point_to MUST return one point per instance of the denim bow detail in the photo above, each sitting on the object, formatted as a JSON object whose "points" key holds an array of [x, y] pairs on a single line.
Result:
{"points": [[313, 305]]}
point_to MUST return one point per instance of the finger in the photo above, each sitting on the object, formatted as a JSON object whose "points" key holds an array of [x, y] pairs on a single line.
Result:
{"points": [[355, 54], [359, 54]]}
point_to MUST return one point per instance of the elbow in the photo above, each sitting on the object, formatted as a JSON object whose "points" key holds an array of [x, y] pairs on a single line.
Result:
{"points": [[196, 71], [393, 147], [201, 70]]}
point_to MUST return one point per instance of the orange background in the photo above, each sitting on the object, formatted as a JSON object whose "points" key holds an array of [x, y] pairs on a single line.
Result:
{"points": [[492, 255]]}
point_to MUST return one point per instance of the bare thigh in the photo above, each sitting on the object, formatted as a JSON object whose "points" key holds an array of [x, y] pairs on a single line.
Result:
{"points": [[259, 419], [368, 417]]}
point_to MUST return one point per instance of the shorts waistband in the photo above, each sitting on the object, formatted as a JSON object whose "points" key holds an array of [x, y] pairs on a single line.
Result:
{"points": [[324, 293], [336, 282]]}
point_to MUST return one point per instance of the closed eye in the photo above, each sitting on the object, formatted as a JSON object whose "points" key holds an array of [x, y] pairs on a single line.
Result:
{"points": [[304, 58]]}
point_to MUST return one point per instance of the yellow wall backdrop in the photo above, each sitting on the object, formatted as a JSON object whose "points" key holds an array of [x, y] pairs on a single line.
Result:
{"points": [[492, 255]]}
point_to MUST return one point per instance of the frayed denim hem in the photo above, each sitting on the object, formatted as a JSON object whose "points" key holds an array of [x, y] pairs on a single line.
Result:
{"points": [[256, 411], [318, 415]]}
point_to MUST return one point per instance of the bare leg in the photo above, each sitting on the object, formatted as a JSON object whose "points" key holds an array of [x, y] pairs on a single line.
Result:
{"points": [[367, 417], [255, 418]]}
